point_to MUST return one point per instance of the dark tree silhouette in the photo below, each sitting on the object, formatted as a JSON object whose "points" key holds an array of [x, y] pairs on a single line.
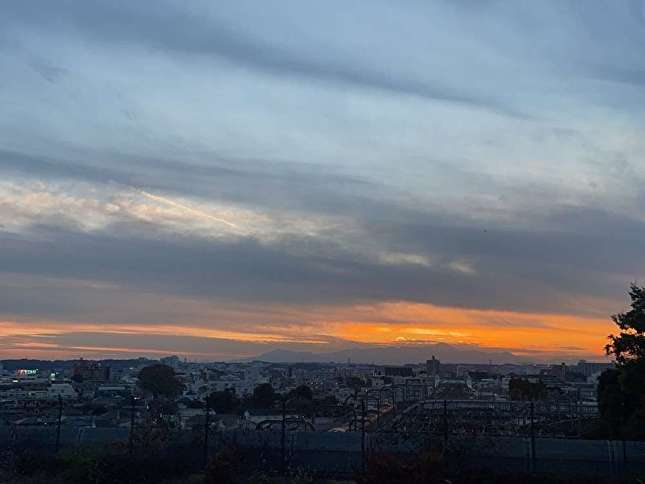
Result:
{"points": [[223, 402], [355, 383], [629, 345], [614, 404], [301, 399], [302, 392], [621, 391], [523, 389], [264, 395], [160, 381]]}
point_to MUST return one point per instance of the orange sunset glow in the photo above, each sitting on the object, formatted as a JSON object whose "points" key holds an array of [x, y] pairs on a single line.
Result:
{"points": [[383, 324]]}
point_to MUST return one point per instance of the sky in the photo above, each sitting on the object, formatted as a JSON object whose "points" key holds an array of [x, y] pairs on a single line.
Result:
{"points": [[219, 179]]}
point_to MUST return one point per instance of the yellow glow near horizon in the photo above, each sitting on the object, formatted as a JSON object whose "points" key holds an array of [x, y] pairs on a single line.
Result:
{"points": [[517, 332], [385, 323]]}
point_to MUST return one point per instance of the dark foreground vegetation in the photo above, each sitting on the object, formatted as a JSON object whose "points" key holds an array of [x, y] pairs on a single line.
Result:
{"points": [[433, 468], [233, 467], [621, 391]]}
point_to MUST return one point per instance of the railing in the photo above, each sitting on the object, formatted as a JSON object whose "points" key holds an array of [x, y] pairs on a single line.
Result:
{"points": [[506, 430]]}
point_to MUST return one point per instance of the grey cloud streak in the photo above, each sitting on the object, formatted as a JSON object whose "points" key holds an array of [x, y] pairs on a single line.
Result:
{"points": [[254, 182], [513, 269]]}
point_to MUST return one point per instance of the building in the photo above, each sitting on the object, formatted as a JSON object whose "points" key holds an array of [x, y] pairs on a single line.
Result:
{"points": [[588, 368], [62, 390], [27, 374], [173, 361], [404, 371], [90, 371], [433, 366]]}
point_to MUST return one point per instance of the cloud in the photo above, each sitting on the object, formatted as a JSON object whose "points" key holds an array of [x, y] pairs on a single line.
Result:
{"points": [[477, 156], [200, 31], [398, 258], [521, 269]]}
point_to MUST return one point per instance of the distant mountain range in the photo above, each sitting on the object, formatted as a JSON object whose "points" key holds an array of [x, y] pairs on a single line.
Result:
{"points": [[392, 355]]}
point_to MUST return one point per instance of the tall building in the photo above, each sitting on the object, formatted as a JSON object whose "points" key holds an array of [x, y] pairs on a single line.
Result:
{"points": [[433, 366], [563, 372]]}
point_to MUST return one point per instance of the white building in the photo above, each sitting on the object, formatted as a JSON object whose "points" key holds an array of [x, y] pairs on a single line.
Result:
{"points": [[64, 390]]}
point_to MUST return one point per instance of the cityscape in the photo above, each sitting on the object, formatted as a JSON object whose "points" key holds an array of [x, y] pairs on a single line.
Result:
{"points": [[142, 404]]}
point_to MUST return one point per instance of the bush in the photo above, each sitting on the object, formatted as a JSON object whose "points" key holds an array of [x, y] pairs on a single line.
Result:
{"points": [[224, 468], [392, 469], [31, 463]]}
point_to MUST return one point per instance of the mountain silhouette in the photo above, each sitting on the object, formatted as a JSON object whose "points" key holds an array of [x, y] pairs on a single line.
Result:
{"points": [[392, 355]]}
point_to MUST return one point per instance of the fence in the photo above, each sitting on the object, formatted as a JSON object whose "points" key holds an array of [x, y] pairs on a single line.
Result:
{"points": [[289, 439], [476, 417]]}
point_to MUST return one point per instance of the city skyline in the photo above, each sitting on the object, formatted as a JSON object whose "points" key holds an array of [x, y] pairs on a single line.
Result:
{"points": [[220, 181]]}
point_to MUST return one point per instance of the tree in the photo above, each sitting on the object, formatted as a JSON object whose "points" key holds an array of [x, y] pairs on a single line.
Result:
{"points": [[264, 395], [160, 380], [301, 399], [223, 402], [523, 389], [614, 404], [302, 392], [355, 383], [225, 467], [621, 391], [629, 345]]}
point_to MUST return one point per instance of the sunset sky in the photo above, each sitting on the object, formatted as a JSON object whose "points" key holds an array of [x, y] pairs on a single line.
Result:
{"points": [[220, 179]]}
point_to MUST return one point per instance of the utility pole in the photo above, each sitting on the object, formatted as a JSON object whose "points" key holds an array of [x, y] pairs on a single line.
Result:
{"points": [[363, 456], [131, 436], [378, 411], [445, 423], [283, 437], [207, 424], [532, 436], [58, 423]]}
